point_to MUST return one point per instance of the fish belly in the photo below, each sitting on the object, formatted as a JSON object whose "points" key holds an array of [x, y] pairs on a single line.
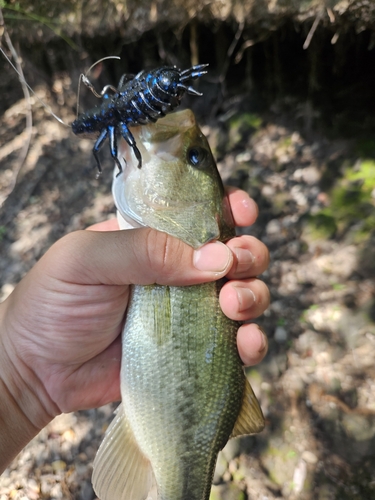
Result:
{"points": [[182, 384]]}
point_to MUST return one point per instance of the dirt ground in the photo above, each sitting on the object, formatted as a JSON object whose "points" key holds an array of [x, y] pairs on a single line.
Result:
{"points": [[316, 385]]}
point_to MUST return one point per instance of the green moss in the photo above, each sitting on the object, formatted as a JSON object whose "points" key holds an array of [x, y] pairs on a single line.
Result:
{"points": [[291, 454], [351, 207], [338, 286], [229, 492], [254, 376], [365, 173], [241, 126], [280, 201], [322, 225], [239, 475], [303, 317], [246, 121], [286, 142], [280, 462], [215, 495]]}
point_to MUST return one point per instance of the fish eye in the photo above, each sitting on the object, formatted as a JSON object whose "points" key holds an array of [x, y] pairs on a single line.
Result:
{"points": [[196, 156]]}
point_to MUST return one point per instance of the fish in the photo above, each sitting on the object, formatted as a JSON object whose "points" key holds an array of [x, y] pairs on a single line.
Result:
{"points": [[183, 388]]}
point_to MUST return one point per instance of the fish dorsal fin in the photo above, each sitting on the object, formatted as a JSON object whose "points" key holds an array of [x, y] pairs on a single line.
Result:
{"points": [[121, 471], [250, 419]]}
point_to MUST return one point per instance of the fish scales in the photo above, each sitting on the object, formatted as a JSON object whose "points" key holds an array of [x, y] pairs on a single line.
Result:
{"points": [[193, 380], [183, 388]]}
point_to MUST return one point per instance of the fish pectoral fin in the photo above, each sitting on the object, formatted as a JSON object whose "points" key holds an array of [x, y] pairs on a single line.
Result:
{"points": [[121, 471], [250, 419]]}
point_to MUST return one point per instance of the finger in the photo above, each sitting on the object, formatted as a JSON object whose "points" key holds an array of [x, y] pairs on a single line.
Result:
{"points": [[245, 299], [244, 208], [106, 225], [135, 256], [251, 257], [252, 344]]}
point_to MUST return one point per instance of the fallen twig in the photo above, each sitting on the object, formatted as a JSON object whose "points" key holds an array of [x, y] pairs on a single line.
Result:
{"points": [[29, 119]]}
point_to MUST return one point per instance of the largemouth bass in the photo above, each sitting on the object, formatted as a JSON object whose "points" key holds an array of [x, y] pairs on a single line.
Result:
{"points": [[184, 392]]}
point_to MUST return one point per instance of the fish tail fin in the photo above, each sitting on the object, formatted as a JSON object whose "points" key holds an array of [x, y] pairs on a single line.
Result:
{"points": [[121, 471], [250, 419]]}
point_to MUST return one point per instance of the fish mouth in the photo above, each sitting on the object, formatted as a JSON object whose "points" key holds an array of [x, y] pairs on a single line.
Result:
{"points": [[153, 200], [170, 192], [149, 199], [176, 218], [132, 218]]}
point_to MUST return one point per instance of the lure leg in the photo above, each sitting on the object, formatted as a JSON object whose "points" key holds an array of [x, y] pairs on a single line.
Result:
{"points": [[128, 136], [88, 84], [104, 92], [113, 146], [125, 78], [98, 145]]}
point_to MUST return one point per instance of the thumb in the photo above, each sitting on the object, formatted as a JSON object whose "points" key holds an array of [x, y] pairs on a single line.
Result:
{"points": [[135, 256]]}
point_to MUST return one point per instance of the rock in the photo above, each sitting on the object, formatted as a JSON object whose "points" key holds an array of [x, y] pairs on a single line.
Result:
{"points": [[221, 467], [6, 290], [298, 195], [243, 157], [232, 449], [280, 335], [273, 227], [32, 490], [277, 306], [309, 175], [341, 262], [359, 427], [268, 191], [58, 465], [280, 460], [227, 492], [309, 457], [87, 492]]}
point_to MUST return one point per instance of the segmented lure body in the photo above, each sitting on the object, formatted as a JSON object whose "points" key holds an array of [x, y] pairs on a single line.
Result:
{"points": [[139, 100]]}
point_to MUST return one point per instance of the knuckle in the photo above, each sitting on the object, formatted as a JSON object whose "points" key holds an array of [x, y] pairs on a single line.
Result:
{"points": [[163, 253], [156, 248], [262, 255]]}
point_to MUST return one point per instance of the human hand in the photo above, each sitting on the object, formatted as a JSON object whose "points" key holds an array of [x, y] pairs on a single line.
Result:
{"points": [[60, 328]]}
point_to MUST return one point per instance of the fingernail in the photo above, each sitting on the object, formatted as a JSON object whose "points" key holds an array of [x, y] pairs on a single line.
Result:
{"points": [[264, 344], [245, 259], [246, 298], [213, 257]]}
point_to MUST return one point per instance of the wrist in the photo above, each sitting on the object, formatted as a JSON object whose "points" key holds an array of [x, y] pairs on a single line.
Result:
{"points": [[16, 430], [22, 413]]}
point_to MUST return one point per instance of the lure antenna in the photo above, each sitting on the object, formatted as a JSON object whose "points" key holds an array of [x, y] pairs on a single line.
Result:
{"points": [[83, 78]]}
